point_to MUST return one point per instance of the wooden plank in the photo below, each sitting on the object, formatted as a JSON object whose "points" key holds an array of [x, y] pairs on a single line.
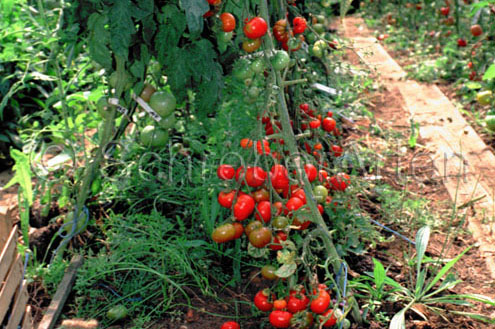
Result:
{"points": [[10, 286], [4, 229], [19, 307], [8, 254], [50, 318], [27, 322]]}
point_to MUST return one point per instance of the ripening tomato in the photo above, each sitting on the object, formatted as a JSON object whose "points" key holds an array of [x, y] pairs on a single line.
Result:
{"points": [[280, 319], [239, 229], [223, 233], [255, 28], [264, 211], [260, 237], [280, 236], [255, 176], [225, 199], [261, 195], [280, 222], [243, 207], [225, 172], [299, 24], [336, 150], [261, 301], [230, 325], [228, 22], [251, 45], [331, 321], [476, 30], [280, 31], [268, 272], [329, 124], [263, 147], [250, 227]]}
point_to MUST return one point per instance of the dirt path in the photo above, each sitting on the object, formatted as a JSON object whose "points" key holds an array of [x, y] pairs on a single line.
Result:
{"points": [[463, 162]]}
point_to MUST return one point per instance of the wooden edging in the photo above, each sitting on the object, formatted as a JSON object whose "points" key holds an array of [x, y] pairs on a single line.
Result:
{"points": [[464, 162], [51, 315]]}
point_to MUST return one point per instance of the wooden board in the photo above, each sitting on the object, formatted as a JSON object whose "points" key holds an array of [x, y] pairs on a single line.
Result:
{"points": [[10, 286], [463, 161], [19, 307], [50, 318], [27, 322], [8, 254]]}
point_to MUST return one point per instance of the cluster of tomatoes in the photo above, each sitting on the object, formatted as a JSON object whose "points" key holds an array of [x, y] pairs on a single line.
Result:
{"points": [[286, 36]]}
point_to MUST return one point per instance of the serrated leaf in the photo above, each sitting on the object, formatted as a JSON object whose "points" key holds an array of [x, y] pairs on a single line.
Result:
{"points": [[489, 73], [195, 9], [398, 321], [121, 27], [286, 270], [142, 9], [99, 39]]}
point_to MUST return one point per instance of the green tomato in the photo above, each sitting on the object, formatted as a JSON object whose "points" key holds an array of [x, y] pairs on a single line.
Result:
{"points": [[321, 19], [103, 107], [224, 37], [127, 80], [325, 3], [242, 70], [319, 28], [318, 48], [96, 185], [258, 65], [320, 192], [484, 97], [118, 312], [167, 122], [154, 137], [253, 92], [163, 103], [280, 222], [280, 60], [490, 122], [81, 223], [311, 37]]}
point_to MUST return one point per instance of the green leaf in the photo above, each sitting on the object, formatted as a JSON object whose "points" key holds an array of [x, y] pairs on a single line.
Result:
{"points": [[420, 281], [422, 238], [22, 175], [445, 269], [256, 252], [121, 27], [286, 270], [398, 321], [378, 274], [195, 9], [490, 73], [473, 85], [6, 6], [99, 38], [142, 9]]}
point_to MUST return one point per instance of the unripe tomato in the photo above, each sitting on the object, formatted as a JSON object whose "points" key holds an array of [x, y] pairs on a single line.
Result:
{"points": [[318, 48], [280, 319], [484, 97], [242, 71], [163, 103], [251, 45], [243, 207], [268, 272], [224, 37], [167, 122], [280, 222], [257, 66], [118, 312], [223, 233], [250, 227], [280, 60], [147, 92], [153, 136], [228, 22], [255, 28], [320, 192], [260, 237]]}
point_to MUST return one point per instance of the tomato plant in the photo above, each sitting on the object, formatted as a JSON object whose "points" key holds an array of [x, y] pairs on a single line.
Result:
{"points": [[255, 28]]}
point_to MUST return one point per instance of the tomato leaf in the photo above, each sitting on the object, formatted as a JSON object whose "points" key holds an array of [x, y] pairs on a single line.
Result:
{"points": [[121, 27], [286, 270], [256, 252], [99, 38], [195, 9], [490, 73]]}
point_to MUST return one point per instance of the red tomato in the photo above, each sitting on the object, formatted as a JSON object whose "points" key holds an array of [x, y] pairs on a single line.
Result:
{"points": [[299, 193], [299, 24], [337, 150], [461, 42], [255, 176], [225, 199], [476, 30], [278, 205], [329, 124], [228, 22], [279, 176], [280, 319], [311, 171], [331, 321], [225, 172], [209, 13], [340, 182], [445, 11], [264, 211], [304, 107], [239, 229], [292, 205], [280, 236], [230, 325], [298, 301], [243, 207], [322, 175], [214, 2], [255, 28], [280, 304], [315, 124], [239, 175], [320, 208], [261, 301], [246, 143], [263, 147], [321, 302]]}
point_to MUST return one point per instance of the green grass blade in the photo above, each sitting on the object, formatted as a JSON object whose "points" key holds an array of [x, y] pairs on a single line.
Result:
{"points": [[422, 238], [398, 321], [445, 269]]}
